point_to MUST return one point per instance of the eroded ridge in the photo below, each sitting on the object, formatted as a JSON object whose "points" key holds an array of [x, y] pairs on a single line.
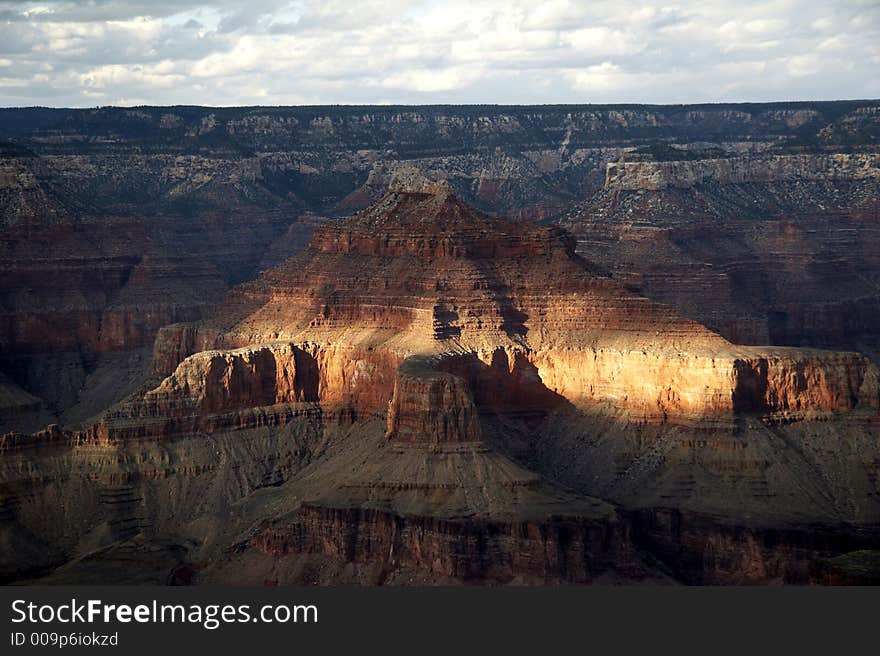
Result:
{"points": [[465, 390], [420, 272]]}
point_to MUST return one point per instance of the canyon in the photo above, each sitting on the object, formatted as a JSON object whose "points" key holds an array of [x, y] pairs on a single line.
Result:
{"points": [[510, 345]]}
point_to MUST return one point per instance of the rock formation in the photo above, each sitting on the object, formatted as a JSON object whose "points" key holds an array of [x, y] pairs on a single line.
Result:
{"points": [[439, 366], [420, 272], [766, 248], [650, 175], [426, 393], [208, 197]]}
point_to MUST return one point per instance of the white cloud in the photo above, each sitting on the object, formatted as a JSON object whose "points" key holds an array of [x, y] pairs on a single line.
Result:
{"points": [[427, 80], [249, 53], [554, 15], [837, 42], [113, 76], [803, 65], [601, 77], [603, 41], [224, 52]]}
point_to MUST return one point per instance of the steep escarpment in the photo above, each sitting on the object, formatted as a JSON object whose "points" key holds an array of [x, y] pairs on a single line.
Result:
{"points": [[434, 500], [212, 381], [431, 405], [397, 516], [385, 548], [764, 249], [651, 175], [421, 272], [524, 162], [702, 382]]}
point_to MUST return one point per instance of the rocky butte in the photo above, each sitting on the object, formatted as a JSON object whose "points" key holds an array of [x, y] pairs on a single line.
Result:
{"points": [[428, 394], [758, 221]]}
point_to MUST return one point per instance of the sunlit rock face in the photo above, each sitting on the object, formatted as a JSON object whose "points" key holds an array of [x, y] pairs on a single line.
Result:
{"points": [[213, 381], [421, 273], [441, 370]]}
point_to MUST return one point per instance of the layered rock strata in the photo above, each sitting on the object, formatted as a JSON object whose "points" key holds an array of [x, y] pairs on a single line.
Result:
{"points": [[185, 199], [421, 272], [764, 248], [445, 356], [522, 162], [650, 175], [75, 297]]}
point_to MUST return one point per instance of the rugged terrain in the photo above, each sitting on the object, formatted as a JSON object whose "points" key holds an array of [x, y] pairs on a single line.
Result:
{"points": [[766, 211], [440, 396], [775, 249], [422, 393]]}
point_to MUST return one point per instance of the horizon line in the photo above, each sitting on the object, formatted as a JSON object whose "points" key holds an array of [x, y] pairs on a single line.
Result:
{"points": [[392, 105]]}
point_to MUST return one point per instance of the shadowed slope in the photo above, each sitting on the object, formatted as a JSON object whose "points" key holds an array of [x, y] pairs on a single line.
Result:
{"points": [[489, 348]]}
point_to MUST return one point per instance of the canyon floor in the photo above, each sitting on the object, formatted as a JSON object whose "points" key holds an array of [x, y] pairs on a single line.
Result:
{"points": [[663, 371]]}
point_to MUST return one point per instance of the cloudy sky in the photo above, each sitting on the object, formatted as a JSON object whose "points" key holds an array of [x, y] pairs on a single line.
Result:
{"points": [[269, 52]]}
